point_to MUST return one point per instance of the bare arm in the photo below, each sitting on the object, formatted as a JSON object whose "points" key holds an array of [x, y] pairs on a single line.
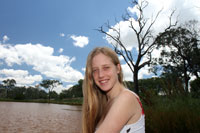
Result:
{"points": [[121, 111]]}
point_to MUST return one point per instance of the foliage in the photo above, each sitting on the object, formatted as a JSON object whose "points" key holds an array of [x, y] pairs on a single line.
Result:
{"points": [[50, 85], [22, 93], [180, 53], [153, 83], [74, 91], [54, 95], [194, 27], [17, 93], [32, 93], [171, 85], [9, 82], [149, 88], [129, 85], [42, 94]]}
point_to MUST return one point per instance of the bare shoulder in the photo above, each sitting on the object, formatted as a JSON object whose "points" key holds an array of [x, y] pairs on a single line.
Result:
{"points": [[127, 96], [127, 102]]}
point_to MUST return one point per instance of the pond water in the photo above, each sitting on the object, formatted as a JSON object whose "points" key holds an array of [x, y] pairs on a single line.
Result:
{"points": [[16, 117]]}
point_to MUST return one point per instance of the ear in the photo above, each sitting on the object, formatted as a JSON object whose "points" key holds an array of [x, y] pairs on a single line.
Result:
{"points": [[118, 68]]}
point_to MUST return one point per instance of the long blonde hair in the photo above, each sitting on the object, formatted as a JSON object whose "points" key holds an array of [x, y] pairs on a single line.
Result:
{"points": [[95, 100]]}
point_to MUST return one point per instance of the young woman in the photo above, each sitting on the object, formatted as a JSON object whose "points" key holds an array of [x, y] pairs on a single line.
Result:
{"points": [[108, 106]]}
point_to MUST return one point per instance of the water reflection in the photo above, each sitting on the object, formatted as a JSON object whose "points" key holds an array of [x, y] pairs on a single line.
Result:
{"points": [[39, 118]]}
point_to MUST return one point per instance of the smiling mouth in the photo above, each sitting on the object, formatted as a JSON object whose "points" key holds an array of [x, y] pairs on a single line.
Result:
{"points": [[103, 81]]}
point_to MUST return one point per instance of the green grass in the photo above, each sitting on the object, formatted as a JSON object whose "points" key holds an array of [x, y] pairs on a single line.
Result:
{"points": [[173, 115]]}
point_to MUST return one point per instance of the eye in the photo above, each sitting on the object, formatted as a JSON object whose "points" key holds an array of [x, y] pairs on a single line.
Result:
{"points": [[106, 67], [94, 70]]}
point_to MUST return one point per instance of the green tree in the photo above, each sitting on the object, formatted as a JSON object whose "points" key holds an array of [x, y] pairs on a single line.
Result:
{"points": [[73, 92], [194, 27], [65, 94], [54, 95], [2, 91], [18, 93], [42, 94], [179, 46], [50, 85], [76, 90], [152, 84], [32, 93], [171, 84], [9, 84]]}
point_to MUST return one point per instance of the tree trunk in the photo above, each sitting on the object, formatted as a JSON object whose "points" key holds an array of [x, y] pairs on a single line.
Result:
{"points": [[186, 78], [135, 79], [186, 83], [49, 96]]}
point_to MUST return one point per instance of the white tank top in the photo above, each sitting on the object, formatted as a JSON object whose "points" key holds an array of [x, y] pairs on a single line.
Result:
{"points": [[138, 127]]}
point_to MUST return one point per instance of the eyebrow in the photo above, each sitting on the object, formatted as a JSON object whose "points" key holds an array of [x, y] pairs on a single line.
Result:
{"points": [[102, 65]]}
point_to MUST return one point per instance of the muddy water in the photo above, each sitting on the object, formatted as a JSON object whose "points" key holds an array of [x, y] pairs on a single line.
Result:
{"points": [[39, 118]]}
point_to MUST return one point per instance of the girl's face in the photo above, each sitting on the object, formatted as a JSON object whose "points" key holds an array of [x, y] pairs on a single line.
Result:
{"points": [[105, 73]]}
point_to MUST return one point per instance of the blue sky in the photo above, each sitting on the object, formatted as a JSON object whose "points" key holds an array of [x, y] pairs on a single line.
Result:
{"points": [[50, 39]]}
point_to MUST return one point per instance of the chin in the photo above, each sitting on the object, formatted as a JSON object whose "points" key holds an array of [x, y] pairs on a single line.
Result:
{"points": [[105, 89]]}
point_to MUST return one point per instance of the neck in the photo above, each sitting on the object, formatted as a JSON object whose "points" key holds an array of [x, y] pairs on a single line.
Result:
{"points": [[115, 91]]}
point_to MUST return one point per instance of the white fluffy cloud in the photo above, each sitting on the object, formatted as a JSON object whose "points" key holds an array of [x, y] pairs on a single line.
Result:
{"points": [[5, 38], [62, 34], [128, 75], [59, 88], [127, 37], [80, 41], [121, 58], [41, 58], [22, 77], [9, 54], [83, 69], [60, 50]]}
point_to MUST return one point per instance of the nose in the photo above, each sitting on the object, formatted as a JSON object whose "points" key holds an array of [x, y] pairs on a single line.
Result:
{"points": [[101, 73]]}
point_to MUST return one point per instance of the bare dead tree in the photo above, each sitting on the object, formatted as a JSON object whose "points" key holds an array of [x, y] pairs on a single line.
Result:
{"points": [[145, 39]]}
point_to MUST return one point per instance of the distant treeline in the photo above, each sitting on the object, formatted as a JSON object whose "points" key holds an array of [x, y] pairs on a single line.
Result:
{"points": [[168, 86]]}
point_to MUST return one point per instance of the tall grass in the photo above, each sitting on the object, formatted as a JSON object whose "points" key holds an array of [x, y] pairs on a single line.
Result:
{"points": [[167, 115]]}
